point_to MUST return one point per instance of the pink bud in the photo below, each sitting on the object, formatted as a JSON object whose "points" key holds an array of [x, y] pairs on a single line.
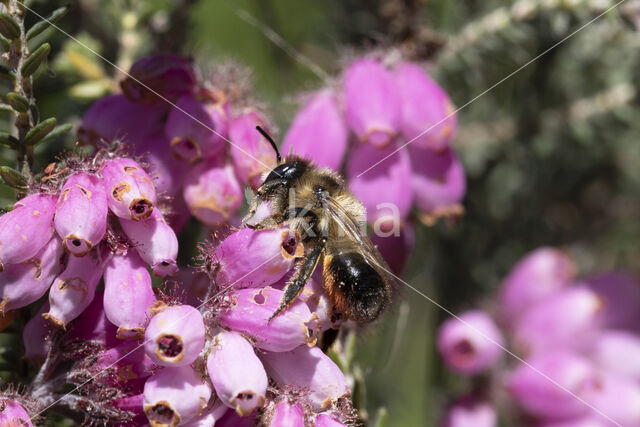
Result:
{"points": [[308, 369], [175, 336], [251, 152], [287, 415], [428, 116], [538, 395], [35, 334], [619, 293], [81, 214], [439, 183], [372, 102], [24, 283], [323, 420], [617, 352], [212, 192], [174, 396], [155, 241], [470, 412], [539, 274], [93, 324], [12, 414], [318, 132], [130, 192], [154, 77], [167, 173], [252, 258], [210, 417], [567, 318], [128, 294], [26, 229], [617, 397], [250, 312], [382, 190], [73, 290], [471, 343], [115, 117], [197, 130], [236, 373], [128, 360], [396, 247]]}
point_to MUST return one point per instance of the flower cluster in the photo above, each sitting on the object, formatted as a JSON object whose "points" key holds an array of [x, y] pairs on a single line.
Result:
{"points": [[578, 339], [200, 149], [98, 221]]}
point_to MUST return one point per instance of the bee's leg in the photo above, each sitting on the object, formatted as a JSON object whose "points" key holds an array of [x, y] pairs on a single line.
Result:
{"points": [[304, 271], [272, 221]]}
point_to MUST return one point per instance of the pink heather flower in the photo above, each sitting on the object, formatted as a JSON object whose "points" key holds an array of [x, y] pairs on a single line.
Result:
{"points": [[73, 290], [567, 318], [175, 336], [323, 420], [471, 346], [114, 117], [12, 414], [26, 229], [128, 360], [34, 335], [382, 190], [128, 294], [619, 293], [130, 192], [155, 241], [308, 369], [93, 324], [169, 76], [237, 374], [251, 153], [439, 183], [253, 258], [192, 140], [540, 397], [318, 132], [425, 106], [210, 417], [24, 283], [616, 396], [316, 298], [166, 172], [396, 249], [132, 404], [287, 415], [250, 312], [212, 192], [372, 102], [81, 214], [231, 419], [174, 396], [617, 352], [539, 274], [470, 412]]}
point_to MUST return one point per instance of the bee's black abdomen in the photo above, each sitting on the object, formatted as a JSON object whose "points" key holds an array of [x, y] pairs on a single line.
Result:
{"points": [[356, 288]]}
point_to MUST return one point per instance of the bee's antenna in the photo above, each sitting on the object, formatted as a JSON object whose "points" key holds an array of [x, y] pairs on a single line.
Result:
{"points": [[271, 141]]}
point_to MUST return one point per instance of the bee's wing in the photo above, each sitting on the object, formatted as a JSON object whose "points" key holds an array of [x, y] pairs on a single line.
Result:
{"points": [[353, 230]]}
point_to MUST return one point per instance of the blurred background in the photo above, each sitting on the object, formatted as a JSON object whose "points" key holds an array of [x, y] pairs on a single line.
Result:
{"points": [[551, 154]]}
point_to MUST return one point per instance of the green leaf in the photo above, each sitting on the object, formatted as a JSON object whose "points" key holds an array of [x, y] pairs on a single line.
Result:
{"points": [[41, 130], [7, 74], [382, 417], [43, 25], [9, 28], [37, 57], [18, 102], [4, 43], [6, 107], [8, 141], [12, 177], [56, 132]]}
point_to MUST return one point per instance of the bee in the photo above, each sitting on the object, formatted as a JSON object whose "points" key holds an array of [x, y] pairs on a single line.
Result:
{"points": [[317, 203]]}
